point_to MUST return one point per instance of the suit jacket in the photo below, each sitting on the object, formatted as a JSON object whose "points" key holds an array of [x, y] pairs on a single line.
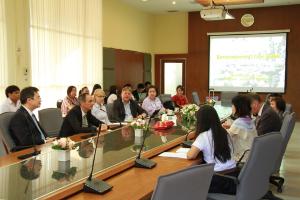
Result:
{"points": [[22, 128], [119, 110], [72, 123], [269, 121]]}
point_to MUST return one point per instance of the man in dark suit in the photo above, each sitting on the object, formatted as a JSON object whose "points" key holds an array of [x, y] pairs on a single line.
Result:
{"points": [[24, 128], [125, 109], [79, 119], [267, 120]]}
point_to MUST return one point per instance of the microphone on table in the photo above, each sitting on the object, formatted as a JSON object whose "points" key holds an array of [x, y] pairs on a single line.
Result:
{"points": [[144, 162], [95, 185], [187, 143], [35, 151]]}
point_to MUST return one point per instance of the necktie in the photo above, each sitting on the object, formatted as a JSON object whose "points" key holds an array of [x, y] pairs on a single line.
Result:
{"points": [[84, 121], [257, 120], [38, 127]]}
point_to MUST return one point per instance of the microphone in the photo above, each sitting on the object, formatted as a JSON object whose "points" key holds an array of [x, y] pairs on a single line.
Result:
{"points": [[35, 151], [95, 185], [187, 143], [144, 162]]}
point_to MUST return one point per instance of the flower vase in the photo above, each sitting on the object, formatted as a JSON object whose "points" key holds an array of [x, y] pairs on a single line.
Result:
{"points": [[63, 155], [138, 132]]}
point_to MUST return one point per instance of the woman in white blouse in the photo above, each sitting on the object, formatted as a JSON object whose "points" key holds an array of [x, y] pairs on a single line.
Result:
{"points": [[152, 103], [242, 130], [99, 110], [214, 143]]}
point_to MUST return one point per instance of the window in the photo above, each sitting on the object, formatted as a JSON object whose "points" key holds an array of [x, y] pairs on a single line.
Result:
{"points": [[66, 46], [3, 50]]}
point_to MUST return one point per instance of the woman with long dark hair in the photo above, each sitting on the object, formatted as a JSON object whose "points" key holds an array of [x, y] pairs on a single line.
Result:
{"points": [[215, 144]]}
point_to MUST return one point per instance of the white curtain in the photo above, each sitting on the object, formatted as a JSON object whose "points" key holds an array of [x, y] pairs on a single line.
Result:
{"points": [[3, 51], [66, 46]]}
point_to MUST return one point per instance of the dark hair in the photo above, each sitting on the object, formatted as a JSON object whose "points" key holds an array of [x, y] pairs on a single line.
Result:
{"points": [[10, 89], [242, 105], [70, 88], [80, 91], [254, 97], [179, 87], [26, 93], [207, 118], [147, 83], [95, 87], [82, 97], [127, 85], [280, 103], [113, 90], [275, 95], [140, 86], [152, 87]]}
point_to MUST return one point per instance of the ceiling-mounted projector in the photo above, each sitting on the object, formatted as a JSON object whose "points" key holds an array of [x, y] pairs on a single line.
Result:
{"points": [[213, 14]]}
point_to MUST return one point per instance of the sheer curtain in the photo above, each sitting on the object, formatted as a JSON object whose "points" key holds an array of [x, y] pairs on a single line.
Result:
{"points": [[66, 46], [3, 51]]}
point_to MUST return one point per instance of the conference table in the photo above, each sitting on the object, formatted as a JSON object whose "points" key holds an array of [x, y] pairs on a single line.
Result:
{"points": [[45, 176]]}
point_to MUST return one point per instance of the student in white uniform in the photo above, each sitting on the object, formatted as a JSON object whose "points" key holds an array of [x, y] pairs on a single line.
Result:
{"points": [[215, 144], [12, 103]]}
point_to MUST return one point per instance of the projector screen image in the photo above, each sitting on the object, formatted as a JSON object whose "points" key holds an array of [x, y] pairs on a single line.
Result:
{"points": [[244, 62]]}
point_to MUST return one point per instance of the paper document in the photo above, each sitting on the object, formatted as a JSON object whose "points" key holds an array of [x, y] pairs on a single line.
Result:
{"points": [[118, 123], [182, 150], [173, 155]]}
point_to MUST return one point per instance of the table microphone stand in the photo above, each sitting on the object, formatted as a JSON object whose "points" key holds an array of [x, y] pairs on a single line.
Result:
{"points": [[144, 162], [95, 185]]}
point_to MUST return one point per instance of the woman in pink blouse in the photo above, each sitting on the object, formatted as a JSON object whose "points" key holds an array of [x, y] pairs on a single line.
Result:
{"points": [[152, 103], [70, 101]]}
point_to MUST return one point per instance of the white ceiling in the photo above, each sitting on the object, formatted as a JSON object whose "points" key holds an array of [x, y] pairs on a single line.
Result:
{"points": [[162, 6]]}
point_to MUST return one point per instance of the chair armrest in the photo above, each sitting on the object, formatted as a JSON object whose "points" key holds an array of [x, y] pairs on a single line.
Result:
{"points": [[235, 179]]}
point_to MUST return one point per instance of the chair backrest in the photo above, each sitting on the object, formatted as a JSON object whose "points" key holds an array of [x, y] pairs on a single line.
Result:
{"points": [[288, 108], [196, 98], [51, 120], [2, 149], [226, 98], [109, 110], [4, 130], [165, 97], [254, 177], [191, 183], [286, 131]]}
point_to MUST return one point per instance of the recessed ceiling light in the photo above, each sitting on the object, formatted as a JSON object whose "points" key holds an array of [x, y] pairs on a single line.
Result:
{"points": [[144, 0], [173, 2]]}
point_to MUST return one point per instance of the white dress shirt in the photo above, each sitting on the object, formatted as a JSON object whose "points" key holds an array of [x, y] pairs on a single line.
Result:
{"points": [[9, 106]]}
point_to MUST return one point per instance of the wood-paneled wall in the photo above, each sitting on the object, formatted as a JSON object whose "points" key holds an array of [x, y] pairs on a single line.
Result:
{"points": [[272, 18], [124, 66]]}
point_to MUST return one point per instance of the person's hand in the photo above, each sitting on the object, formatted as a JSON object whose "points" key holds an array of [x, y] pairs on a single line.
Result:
{"points": [[142, 116], [225, 125], [49, 139], [104, 127]]}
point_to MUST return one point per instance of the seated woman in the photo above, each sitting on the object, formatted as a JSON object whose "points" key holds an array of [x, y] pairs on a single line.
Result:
{"points": [[214, 143], [112, 96], [99, 110], [152, 103], [84, 90], [278, 104], [70, 101], [242, 130], [179, 99]]}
